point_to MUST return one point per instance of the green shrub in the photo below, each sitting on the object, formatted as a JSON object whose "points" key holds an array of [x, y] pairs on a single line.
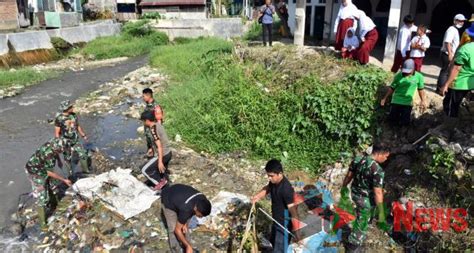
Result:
{"points": [[60, 44], [137, 29], [254, 32], [150, 15], [136, 39], [223, 105]]}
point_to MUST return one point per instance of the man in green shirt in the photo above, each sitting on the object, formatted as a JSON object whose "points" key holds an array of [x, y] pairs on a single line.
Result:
{"points": [[403, 88], [461, 78]]}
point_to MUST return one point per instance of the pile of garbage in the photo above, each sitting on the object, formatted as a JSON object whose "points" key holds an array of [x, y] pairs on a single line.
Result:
{"points": [[125, 91]]}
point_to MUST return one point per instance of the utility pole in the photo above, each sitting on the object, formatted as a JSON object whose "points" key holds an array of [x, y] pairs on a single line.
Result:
{"points": [[300, 22]]}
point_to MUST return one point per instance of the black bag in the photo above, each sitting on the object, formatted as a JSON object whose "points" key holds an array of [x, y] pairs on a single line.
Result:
{"points": [[260, 19]]}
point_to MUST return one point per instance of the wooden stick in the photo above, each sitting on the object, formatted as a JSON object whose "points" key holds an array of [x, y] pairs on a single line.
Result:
{"points": [[248, 226]]}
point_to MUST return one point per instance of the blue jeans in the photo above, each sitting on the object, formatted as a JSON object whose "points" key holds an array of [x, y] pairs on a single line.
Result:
{"points": [[279, 239]]}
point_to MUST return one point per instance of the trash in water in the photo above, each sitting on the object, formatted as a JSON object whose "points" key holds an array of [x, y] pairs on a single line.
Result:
{"points": [[119, 191]]}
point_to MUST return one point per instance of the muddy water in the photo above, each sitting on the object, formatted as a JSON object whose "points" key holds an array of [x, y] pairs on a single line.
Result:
{"points": [[24, 127]]}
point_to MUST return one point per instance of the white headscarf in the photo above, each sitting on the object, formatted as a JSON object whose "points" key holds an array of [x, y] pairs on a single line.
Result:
{"points": [[345, 12], [351, 41], [366, 23]]}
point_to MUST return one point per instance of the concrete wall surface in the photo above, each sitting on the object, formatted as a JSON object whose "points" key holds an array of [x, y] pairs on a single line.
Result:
{"points": [[26, 41], [220, 27], [85, 33], [3, 44]]}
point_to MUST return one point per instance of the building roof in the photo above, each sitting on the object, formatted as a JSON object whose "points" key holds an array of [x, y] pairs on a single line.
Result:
{"points": [[172, 2]]}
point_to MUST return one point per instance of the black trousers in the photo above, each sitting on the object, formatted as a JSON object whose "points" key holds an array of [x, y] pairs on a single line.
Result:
{"points": [[267, 33], [150, 170], [400, 114], [452, 101], [444, 72]]}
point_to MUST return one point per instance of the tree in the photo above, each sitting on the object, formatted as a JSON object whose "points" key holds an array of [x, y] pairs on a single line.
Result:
{"points": [[300, 20]]}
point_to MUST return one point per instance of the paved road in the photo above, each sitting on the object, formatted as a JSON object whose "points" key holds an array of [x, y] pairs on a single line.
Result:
{"points": [[24, 126]]}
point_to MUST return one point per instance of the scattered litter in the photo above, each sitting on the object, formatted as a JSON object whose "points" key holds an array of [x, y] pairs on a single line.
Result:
{"points": [[120, 191]]}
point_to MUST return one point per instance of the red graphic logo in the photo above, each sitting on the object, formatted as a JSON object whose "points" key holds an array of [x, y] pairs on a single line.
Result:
{"points": [[424, 219]]}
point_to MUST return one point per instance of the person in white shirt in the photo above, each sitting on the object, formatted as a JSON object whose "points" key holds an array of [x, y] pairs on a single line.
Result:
{"points": [[368, 36], [419, 44], [403, 42], [450, 45], [344, 20], [351, 44]]}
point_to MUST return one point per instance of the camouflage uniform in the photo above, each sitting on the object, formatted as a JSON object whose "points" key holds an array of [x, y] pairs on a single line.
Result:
{"points": [[68, 125], [42, 161], [150, 107], [367, 175]]}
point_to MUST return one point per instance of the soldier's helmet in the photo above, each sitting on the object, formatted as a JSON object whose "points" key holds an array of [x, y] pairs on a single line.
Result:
{"points": [[59, 144], [66, 104]]}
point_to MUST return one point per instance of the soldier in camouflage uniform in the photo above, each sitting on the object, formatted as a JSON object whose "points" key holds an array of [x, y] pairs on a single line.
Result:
{"points": [[67, 126], [367, 192], [151, 106], [40, 169]]}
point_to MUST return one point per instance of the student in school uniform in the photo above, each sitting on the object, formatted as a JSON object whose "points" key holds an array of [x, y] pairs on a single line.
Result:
{"points": [[419, 44], [344, 20], [368, 36], [351, 44], [403, 42]]}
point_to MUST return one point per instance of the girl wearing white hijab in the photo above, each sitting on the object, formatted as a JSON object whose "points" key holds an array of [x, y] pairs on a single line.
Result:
{"points": [[368, 36], [344, 21], [351, 44]]}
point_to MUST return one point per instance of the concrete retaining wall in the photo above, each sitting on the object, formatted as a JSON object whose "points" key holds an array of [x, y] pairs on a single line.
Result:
{"points": [[27, 41], [85, 33], [3, 44], [191, 28], [36, 40]]}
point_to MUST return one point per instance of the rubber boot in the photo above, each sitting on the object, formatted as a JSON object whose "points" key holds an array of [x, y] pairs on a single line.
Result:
{"points": [[84, 165], [42, 217], [53, 203]]}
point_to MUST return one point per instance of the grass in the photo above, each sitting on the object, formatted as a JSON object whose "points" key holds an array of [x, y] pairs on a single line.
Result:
{"points": [[268, 103], [136, 39], [23, 76]]}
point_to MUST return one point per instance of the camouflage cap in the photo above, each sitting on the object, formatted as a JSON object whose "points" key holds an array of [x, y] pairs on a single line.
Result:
{"points": [[66, 104]]}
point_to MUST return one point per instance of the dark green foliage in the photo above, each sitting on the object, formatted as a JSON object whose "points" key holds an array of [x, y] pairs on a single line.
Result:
{"points": [[137, 29], [150, 15], [137, 38], [254, 32], [224, 105]]}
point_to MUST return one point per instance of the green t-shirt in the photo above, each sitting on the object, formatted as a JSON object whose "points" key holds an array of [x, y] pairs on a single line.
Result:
{"points": [[404, 88], [465, 58]]}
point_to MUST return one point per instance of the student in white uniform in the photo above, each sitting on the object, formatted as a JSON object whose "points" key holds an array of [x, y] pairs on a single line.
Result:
{"points": [[419, 44], [351, 44], [450, 45], [403, 42]]}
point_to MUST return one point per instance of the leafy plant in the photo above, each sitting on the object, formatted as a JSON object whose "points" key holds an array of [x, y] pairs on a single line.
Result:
{"points": [[137, 29], [442, 163], [137, 38], [151, 15], [254, 32], [222, 104]]}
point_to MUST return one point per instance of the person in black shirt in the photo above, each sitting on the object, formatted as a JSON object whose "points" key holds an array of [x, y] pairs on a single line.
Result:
{"points": [[179, 204], [283, 210]]}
